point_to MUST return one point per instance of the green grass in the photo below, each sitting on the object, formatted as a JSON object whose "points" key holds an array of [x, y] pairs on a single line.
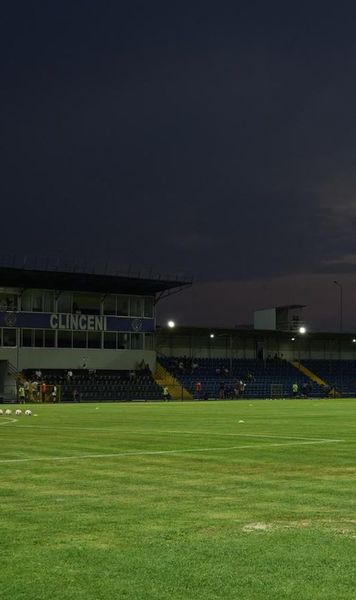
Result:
{"points": [[181, 501]]}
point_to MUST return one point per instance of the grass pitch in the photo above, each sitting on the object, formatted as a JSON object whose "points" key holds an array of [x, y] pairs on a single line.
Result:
{"points": [[179, 501]]}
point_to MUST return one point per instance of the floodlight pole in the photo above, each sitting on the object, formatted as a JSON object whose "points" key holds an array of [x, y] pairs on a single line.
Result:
{"points": [[340, 304]]}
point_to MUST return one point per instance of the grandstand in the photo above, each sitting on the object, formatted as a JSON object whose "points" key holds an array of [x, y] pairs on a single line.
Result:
{"points": [[321, 364], [337, 374], [220, 377], [102, 327], [58, 319]]}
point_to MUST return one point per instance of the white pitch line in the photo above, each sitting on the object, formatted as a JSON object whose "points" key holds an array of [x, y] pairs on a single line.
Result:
{"points": [[159, 431], [157, 452], [8, 421]]}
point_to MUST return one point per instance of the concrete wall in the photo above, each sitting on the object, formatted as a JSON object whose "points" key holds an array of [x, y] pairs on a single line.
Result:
{"points": [[265, 319], [65, 358]]}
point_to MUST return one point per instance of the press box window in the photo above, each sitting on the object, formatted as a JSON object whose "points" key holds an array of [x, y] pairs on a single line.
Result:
{"points": [[64, 339], [149, 341], [39, 338], [50, 338], [122, 306], [110, 305], [9, 337], [136, 341], [136, 306], [65, 304], [94, 339], [27, 338], [123, 341], [37, 301], [79, 339], [148, 307], [110, 341]]}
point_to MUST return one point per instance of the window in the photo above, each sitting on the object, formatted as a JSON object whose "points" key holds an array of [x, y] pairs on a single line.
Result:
{"points": [[50, 338], [79, 339], [94, 339], [39, 338], [9, 337], [148, 307], [37, 301], [86, 304], [136, 305], [64, 339], [48, 302], [8, 302], [149, 341], [26, 300], [136, 341], [122, 306], [27, 338], [110, 305], [123, 341], [65, 303], [110, 341]]}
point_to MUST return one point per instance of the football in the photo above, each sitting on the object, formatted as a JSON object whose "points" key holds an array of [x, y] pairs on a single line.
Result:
{"points": [[1, 411], [18, 412], [28, 412], [8, 411]]}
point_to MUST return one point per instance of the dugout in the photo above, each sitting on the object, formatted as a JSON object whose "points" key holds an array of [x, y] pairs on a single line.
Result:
{"points": [[63, 318]]}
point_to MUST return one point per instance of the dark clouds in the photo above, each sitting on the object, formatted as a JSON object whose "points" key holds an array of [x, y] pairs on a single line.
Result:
{"points": [[218, 141]]}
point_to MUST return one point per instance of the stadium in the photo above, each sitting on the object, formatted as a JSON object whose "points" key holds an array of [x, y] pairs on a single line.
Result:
{"points": [[147, 461]]}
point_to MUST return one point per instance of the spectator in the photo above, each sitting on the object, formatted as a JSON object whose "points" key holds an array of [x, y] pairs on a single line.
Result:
{"points": [[69, 376], [54, 394], [76, 396], [38, 374], [26, 386], [198, 389], [166, 394], [43, 390], [22, 394], [35, 390], [30, 391], [242, 388], [295, 390]]}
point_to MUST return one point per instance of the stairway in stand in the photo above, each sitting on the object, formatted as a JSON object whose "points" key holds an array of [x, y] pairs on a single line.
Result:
{"points": [[175, 389], [298, 365]]}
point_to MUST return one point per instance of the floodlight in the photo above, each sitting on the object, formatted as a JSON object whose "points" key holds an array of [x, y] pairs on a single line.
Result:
{"points": [[171, 324], [212, 335], [302, 330]]}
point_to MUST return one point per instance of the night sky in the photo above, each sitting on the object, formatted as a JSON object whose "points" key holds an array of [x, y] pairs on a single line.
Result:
{"points": [[211, 139]]}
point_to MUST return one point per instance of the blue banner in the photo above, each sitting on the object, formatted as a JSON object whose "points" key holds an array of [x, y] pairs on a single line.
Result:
{"points": [[75, 322]]}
